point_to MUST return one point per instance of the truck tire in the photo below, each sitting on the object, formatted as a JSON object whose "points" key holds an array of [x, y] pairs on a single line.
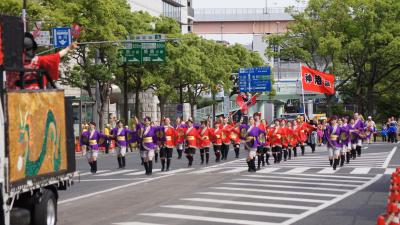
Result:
{"points": [[45, 211], [20, 216]]}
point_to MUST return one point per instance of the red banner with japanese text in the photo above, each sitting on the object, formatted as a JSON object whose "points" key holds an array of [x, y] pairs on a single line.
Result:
{"points": [[317, 81]]}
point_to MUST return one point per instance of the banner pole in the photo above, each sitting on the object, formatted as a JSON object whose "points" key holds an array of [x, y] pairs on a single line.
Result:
{"points": [[302, 93]]}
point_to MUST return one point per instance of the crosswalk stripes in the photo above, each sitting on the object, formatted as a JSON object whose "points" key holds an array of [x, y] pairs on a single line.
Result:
{"points": [[360, 171], [235, 170], [259, 199], [114, 173]]}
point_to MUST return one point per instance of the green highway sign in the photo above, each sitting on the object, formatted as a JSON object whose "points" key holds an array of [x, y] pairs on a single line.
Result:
{"points": [[144, 52]]}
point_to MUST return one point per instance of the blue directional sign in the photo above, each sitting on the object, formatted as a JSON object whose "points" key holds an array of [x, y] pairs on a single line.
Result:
{"points": [[257, 79], [62, 37]]}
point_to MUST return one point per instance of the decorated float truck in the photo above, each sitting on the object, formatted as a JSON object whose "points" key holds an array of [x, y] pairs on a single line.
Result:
{"points": [[37, 157]]}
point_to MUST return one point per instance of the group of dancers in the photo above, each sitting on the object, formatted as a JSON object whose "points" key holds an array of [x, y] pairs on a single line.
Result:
{"points": [[279, 140]]}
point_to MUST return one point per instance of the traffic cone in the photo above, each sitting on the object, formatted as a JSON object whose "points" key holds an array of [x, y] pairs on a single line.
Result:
{"points": [[381, 220], [77, 147]]}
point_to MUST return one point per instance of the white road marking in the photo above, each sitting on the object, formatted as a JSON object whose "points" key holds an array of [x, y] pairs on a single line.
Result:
{"points": [[111, 179], [364, 170], [141, 172], [329, 203], [275, 191], [297, 170], [262, 197], [255, 204], [311, 183], [268, 170], [207, 170], [114, 173], [206, 219], [390, 170], [77, 173], [328, 171], [333, 176], [237, 170], [137, 223], [235, 211], [301, 178], [390, 156], [177, 171], [110, 189], [290, 187]]}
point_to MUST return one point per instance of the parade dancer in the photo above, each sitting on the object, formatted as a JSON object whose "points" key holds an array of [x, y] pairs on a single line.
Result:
{"points": [[267, 144], [133, 137], [148, 145], [120, 134], [294, 138], [261, 139], [285, 140], [302, 133], [192, 137], [360, 128], [276, 141], [180, 136], [169, 141], [226, 140], [345, 139], [91, 139], [251, 142], [205, 143], [235, 137], [332, 133], [217, 141], [370, 129], [353, 132]]}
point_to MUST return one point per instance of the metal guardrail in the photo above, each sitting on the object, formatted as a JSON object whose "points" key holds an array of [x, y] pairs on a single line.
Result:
{"points": [[244, 11], [203, 113]]}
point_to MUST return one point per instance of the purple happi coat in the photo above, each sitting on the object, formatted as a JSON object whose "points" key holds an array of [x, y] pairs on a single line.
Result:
{"points": [[149, 138], [345, 134], [121, 134], [133, 137], [92, 138], [251, 139], [332, 134], [359, 128]]}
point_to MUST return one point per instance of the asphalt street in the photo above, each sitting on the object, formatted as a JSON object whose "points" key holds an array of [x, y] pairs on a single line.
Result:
{"points": [[304, 191]]}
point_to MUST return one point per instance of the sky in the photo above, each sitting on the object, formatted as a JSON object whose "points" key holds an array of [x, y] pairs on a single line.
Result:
{"points": [[242, 39]]}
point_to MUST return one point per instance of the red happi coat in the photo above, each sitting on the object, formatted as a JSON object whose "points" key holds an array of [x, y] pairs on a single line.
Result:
{"points": [[205, 137], [192, 138]]}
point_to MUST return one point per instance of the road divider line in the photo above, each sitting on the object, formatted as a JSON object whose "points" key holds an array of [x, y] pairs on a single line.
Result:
{"points": [[242, 203], [329, 203], [137, 223], [77, 173], [276, 192], [141, 172], [390, 156], [268, 170], [237, 170], [206, 219], [111, 179], [262, 197], [328, 171], [297, 170], [225, 210], [207, 170], [110, 190], [291, 187]]}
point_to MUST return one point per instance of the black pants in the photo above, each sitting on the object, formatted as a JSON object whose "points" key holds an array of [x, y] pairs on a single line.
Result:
{"points": [[384, 138], [217, 152], [206, 152], [224, 151], [277, 154]]}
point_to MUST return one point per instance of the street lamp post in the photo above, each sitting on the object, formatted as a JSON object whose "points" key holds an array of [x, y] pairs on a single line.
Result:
{"points": [[24, 14]]}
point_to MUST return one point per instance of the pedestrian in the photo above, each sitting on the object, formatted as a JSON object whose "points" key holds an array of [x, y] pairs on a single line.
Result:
{"points": [[320, 133], [168, 144], [235, 137], [332, 133], [360, 132], [148, 145], [267, 144], [205, 141], [91, 139], [107, 131], [313, 137], [192, 137], [285, 140], [119, 134], [251, 142], [261, 139], [384, 132], [346, 141]]}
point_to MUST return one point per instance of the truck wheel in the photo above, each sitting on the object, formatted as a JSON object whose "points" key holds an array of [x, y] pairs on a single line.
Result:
{"points": [[20, 216], [45, 211]]}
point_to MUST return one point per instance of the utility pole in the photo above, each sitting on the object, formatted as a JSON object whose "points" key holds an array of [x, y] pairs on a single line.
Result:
{"points": [[24, 14]]}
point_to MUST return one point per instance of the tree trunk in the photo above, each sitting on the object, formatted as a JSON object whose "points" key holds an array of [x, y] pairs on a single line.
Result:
{"points": [[328, 105], [125, 95], [371, 100], [162, 107], [181, 98], [137, 95], [214, 107]]}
